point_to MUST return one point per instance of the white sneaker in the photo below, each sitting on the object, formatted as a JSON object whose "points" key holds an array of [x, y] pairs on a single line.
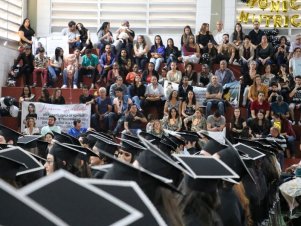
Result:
{"points": [[299, 123], [294, 122], [64, 87], [74, 86], [92, 86]]}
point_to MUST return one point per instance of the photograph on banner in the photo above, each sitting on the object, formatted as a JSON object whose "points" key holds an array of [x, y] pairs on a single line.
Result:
{"points": [[50, 44], [65, 114]]}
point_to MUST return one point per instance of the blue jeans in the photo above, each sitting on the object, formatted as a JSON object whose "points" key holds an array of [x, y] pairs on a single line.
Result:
{"points": [[291, 145], [53, 73], [218, 103], [65, 77], [120, 123], [108, 119], [137, 101], [157, 62]]}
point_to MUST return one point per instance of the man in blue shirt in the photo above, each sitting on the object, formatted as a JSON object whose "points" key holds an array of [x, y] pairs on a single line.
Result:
{"points": [[77, 130]]}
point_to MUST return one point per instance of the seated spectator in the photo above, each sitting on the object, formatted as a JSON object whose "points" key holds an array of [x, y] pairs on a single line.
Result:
{"points": [[124, 62], [204, 37], [216, 122], [162, 76], [264, 53], [205, 76], [134, 120], [56, 64], [256, 34], [172, 53], [117, 84], [45, 96], [130, 78], [238, 126], [85, 37], [225, 50], [209, 55], [275, 136], [40, 66], [214, 97], [140, 53], [104, 36], [246, 53], [156, 128], [77, 130], [113, 74], [259, 126], [189, 105], [224, 74], [51, 126], [172, 121], [237, 36], [172, 102], [154, 95], [73, 35], [286, 82], [125, 37], [218, 32], [197, 121], [31, 128], [295, 95], [282, 51], [280, 107], [190, 74], [86, 97], [49, 138], [184, 88], [260, 104], [267, 78], [149, 73], [191, 51], [136, 92], [256, 88], [186, 33], [121, 105], [26, 95], [174, 75], [26, 33], [295, 62], [273, 93], [103, 111], [26, 68], [106, 62], [286, 130], [57, 97], [72, 65], [157, 52], [294, 45], [89, 67]]}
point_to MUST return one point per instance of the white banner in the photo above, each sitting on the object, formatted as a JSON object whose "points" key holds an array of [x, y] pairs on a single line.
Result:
{"points": [[65, 114], [50, 43], [200, 92]]}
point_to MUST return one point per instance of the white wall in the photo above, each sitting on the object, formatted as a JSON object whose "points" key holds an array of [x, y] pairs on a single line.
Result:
{"points": [[6, 61]]}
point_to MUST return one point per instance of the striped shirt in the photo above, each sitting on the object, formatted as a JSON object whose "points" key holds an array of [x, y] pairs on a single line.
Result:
{"points": [[280, 140]]}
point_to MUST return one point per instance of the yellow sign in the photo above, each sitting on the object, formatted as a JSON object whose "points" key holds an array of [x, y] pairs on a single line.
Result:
{"points": [[274, 13]]}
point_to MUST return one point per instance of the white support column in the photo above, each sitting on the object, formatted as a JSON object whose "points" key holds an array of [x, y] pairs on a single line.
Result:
{"points": [[229, 15], [43, 18], [203, 13]]}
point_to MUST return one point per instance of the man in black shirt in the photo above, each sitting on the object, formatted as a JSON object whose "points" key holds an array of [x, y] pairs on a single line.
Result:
{"points": [[86, 97], [256, 34], [134, 120]]}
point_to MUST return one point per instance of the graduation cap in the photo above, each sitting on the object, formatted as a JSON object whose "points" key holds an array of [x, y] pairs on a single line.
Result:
{"points": [[62, 138], [166, 140], [9, 133], [149, 136], [74, 139], [3, 146], [104, 144], [231, 157], [204, 172], [91, 132], [43, 148], [130, 137], [28, 141], [267, 149], [188, 136], [19, 210], [66, 153], [131, 193], [131, 147], [64, 195], [248, 152], [10, 167], [213, 145], [176, 140], [270, 142], [84, 149], [18, 154], [156, 161], [100, 170]]}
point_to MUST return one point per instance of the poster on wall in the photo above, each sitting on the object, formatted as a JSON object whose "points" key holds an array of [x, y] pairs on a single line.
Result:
{"points": [[65, 114], [50, 44]]}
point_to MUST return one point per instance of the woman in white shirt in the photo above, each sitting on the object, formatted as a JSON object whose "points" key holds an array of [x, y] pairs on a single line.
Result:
{"points": [[31, 128], [140, 52], [174, 75], [56, 65]]}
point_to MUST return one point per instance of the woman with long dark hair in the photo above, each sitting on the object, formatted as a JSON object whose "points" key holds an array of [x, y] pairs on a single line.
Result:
{"points": [[172, 53], [173, 121], [204, 36], [57, 97], [56, 65], [157, 52], [189, 105], [124, 62], [260, 126], [45, 96], [26, 95], [173, 102], [237, 125], [186, 32], [85, 37], [25, 33], [105, 37], [140, 52]]}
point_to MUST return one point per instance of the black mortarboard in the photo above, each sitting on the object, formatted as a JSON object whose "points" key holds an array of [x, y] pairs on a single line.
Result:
{"points": [[248, 152], [131, 193], [231, 157], [65, 195], [267, 142], [10, 167], [267, 149], [91, 132], [62, 138], [130, 137], [176, 140], [166, 140], [3, 146], [204, 172], [19, 210], [28, 141], [99, 171], [84, 149], [20, 155], [187, 136], [149, 136], [213, 145], [131, 147], [104, 144], [156, 161], [9, 133], [66, 153], [43, 148], [74, 139]]}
